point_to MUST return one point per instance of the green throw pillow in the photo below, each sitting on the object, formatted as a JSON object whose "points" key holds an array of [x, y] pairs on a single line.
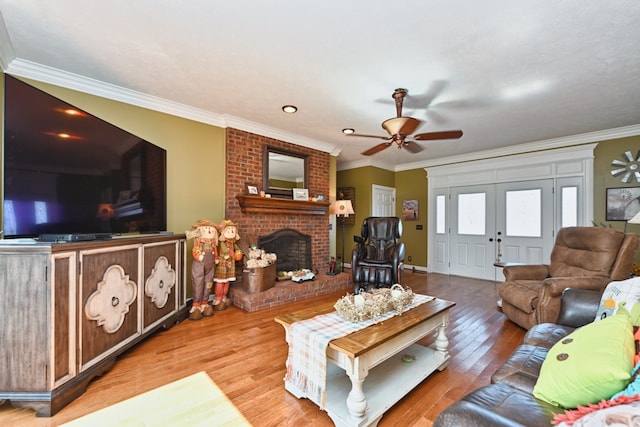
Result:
{"points": [[592, 363]]}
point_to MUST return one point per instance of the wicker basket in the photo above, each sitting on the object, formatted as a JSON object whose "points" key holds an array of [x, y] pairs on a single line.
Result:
{"points": [[371, 305]]}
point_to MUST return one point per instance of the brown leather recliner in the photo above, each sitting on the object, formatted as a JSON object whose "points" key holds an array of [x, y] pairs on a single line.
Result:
{"points": [[378, 258], [582, 257]]}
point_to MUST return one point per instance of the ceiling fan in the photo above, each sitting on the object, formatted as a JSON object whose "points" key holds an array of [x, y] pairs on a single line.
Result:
{"points": [[400, 128]]}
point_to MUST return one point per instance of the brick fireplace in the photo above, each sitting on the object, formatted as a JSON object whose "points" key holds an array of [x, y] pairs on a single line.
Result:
{"points": [[244, 167]]}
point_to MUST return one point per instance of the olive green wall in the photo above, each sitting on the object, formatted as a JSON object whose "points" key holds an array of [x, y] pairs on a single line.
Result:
{"points": [[195, 188], [361, 179], [605, 152], [412, 184], [409, 185]]}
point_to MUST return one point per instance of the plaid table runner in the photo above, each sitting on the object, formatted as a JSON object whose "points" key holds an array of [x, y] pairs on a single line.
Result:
{"points": [[307, 360]]}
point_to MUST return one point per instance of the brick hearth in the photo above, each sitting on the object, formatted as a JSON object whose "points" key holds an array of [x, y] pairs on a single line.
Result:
{"points": [[289, 291]]}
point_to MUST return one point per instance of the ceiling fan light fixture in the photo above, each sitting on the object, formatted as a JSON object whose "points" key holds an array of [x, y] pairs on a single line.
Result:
{"points": [[348, 131], [400, 125], [289, 109]]}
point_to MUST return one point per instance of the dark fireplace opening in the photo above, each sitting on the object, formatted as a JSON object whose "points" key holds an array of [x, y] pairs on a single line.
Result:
{"points": [[292, 248]]}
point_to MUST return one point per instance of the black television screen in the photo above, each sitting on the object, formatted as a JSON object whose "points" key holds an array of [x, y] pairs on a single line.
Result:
{"points": [[66, 171]]}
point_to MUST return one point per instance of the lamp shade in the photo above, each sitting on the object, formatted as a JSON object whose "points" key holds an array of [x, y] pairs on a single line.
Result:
{"points": [[635, 219], [342, 208], [400, 125]]}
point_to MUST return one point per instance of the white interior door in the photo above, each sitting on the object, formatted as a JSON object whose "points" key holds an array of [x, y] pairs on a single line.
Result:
{"points": [[472, 228], [384, 201], [509, 222], [440, 235], [524, 222]]}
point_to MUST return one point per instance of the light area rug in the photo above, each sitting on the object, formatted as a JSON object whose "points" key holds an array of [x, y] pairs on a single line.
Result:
{"points": [[192, 401]]}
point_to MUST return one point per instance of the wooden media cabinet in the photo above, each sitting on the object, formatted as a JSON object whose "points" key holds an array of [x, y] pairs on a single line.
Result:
{"points": [[67, 310]]}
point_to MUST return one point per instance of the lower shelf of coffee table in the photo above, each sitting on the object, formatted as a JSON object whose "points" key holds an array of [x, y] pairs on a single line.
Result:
{"points": [[384, 386]]}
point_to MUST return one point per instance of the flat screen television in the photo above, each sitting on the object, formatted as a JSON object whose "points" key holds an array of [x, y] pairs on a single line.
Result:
{"points": [[66, 171]]}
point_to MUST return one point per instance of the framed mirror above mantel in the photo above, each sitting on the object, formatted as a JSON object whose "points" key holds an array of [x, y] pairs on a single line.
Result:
{"points": [[283, 171]]}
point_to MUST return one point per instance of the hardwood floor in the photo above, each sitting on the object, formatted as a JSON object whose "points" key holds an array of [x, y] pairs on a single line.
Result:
{"points": [[245, 353]]}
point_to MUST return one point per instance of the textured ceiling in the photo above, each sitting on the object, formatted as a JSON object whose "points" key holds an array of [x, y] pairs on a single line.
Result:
{"points": [[505, 72]]}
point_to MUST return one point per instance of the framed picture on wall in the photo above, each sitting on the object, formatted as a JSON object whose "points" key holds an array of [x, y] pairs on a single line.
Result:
{"points": [[300, 194], [252, 189], [409, 210], [622, 203]]}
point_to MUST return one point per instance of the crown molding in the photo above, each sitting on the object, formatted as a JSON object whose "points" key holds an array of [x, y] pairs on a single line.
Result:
{"points": [[528, 147], [470, 171], [268, 131], [364, 163], [34, 71], [31, 70], [7, 54]]}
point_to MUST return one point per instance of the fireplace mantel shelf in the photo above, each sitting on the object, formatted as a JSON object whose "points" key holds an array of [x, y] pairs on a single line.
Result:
{"points": [[272, 205]]}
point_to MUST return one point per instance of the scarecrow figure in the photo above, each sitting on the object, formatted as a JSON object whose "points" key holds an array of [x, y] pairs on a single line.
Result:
{"points": [[229, 252], [205, 258]]}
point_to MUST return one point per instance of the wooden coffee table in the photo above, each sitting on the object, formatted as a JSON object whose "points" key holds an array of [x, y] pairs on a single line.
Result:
{"points": [[376, 354]]}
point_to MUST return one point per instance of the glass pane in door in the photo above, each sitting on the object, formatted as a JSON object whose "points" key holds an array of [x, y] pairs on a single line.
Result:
{"points": [[569, 204], [440, 214], [523, 213], [471, 214]]}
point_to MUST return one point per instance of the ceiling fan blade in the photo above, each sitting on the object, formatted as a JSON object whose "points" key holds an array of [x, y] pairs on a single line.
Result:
{"points": [[412, 147], [386, 138], [450, 134], [376, 148]]}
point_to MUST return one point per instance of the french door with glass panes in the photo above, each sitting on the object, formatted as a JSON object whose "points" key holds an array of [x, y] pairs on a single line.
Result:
{"points": [[508, 222]]}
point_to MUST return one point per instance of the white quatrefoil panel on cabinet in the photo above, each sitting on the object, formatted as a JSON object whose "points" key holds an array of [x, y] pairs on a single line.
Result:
{"points": [[160, 282], [110, 302]]}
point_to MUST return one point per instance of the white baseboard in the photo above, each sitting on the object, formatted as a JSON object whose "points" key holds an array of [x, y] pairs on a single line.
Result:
{"points": [[415, 268]]}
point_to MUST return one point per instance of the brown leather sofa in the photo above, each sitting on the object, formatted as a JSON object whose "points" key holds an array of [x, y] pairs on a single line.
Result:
{"points": [[509, 400], [582, 257]]}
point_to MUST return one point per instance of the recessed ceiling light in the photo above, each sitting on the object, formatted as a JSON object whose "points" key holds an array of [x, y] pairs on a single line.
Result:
{"points": [[290, 109], [348, 131]]}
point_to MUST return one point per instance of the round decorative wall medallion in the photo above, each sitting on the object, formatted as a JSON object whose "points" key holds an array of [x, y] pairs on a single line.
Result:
{"points": [[628, 168]]}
